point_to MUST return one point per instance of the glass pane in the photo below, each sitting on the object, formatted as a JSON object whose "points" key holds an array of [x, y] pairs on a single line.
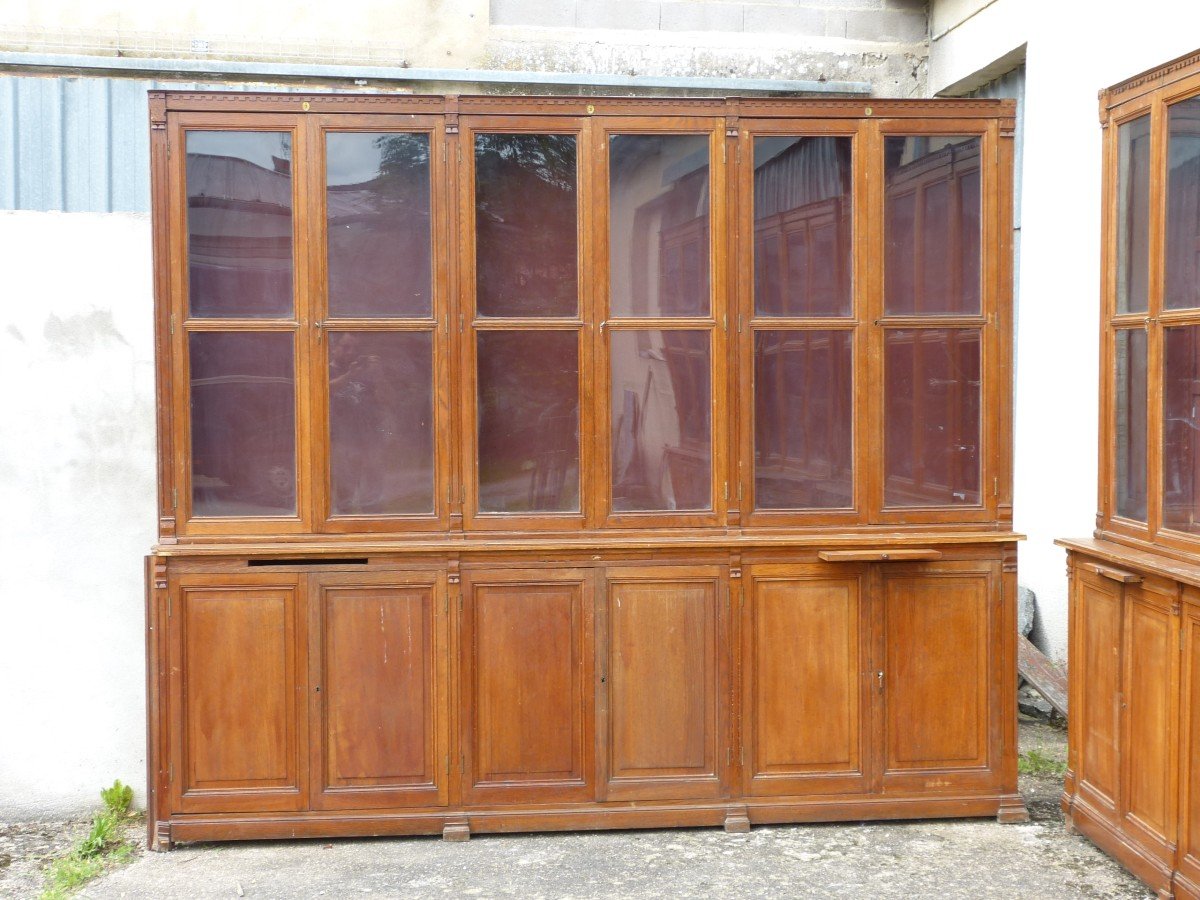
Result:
{"points": [[932, 225], [932, 424], [1181, 429], [803, 419], [1131, 424], [528, 421], [239, 186], [377, 214], [243, 387], [661, 420], [658, 225], [802, 244], [1133, 215], [1182, 287], [526, 228], [380, 423]]}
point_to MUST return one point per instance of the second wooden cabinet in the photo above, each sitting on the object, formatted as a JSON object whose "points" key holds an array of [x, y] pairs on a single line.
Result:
{"points": [[417, 696]]}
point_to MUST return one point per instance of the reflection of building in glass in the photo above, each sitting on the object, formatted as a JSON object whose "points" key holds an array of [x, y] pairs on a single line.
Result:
{"points": [[931, 415], [239, 228], [526, 265], [932, 225], [803, 396], [243, 412], [528, 421], [659, 267], [932, 268], [803, 419], [381, 422], [1181, 425], [661, 407], [1130, 411], [1181, 345], [802, 226]]}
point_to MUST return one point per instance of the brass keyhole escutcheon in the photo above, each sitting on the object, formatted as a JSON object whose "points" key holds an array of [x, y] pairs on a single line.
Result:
{"points": [[591, 109], [305, 105]]}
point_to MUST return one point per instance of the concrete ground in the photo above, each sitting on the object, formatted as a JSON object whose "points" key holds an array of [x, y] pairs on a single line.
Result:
{"points": [[943, 859]]}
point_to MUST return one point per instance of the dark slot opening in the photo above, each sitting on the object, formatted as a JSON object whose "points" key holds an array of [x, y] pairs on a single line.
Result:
{"points": [[323, 561]]}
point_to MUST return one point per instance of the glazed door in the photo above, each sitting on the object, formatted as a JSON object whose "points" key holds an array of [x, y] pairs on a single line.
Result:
{"points": [[806, 683], [526, 657], [663, 679], [237, 693], [939, 680], [1189, 770], [378, 704], [1098, 613], [1148, 734]]}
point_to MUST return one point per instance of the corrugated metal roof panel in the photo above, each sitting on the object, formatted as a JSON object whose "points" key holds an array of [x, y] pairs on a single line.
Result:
{"points": [[80, 144]]}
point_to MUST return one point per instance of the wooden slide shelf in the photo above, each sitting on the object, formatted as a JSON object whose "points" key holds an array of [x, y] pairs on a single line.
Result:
{"points": [[877, 555], [518, 469]]}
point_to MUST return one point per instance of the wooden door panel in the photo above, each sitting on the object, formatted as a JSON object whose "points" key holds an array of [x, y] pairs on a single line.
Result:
{"points": [[527, 686], [1189, 818], [1099, 607], [1151, 642], [238, 693], [938, 672], [806, 704], [663, 683], [378, 705]]}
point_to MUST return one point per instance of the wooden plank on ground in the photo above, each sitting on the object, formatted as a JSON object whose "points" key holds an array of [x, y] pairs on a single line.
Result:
{"points": [[1043, 674]]}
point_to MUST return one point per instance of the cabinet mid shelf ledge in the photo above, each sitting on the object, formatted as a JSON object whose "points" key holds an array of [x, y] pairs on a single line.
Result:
{"points": [[564, 396]]}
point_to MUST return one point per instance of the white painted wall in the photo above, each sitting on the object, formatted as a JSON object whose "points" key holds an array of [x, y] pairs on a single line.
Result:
{"points": [[1070, 56], [77, 487]]}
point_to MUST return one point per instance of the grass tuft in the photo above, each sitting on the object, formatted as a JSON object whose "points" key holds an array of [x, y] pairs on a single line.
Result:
{"points": [[1037, 761], [103, 847]]}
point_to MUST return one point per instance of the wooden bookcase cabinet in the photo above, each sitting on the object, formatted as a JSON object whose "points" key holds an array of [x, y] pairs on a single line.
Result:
{"points": [[1131, 782], [787, 624]]}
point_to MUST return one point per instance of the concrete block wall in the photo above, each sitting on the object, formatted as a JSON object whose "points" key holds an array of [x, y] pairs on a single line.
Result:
{"points": [[882, 42], [873, 21]]}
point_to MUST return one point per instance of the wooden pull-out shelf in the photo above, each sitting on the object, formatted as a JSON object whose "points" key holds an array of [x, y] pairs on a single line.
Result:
{"points": [[879, 555]]}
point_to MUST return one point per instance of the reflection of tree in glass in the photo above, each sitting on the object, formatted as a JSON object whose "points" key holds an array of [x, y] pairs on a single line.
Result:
{"points": [[401, 154], [379, 238], [528, 421], [525, 220]]}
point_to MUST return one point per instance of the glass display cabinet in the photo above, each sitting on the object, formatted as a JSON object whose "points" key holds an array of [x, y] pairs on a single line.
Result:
{"points": [[1133, 782], [554, 462]]}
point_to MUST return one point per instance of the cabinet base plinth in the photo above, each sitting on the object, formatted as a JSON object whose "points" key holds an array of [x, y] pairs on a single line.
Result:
{"points": [[1012, 811], [594, 817], [161, 837], [1156, 874], [737, 822]]}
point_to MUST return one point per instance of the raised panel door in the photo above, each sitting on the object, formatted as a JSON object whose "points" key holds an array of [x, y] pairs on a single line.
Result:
{"points": [[939, 677], [1189, 769], [378, 703], [1148, 742], [1098, 604], [662, 679], [806, 690], [527, 686], [237, 693]]}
